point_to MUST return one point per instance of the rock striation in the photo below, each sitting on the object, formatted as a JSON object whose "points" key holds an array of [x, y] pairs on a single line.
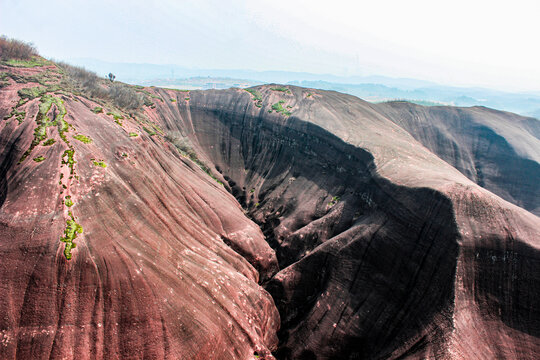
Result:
{"points": [[275, 221]]}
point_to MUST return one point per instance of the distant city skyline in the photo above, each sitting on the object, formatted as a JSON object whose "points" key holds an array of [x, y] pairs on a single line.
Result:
{"points": [[461, 43]]}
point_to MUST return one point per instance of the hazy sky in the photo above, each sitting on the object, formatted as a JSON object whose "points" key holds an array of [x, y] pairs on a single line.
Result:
{"points": [[461, 42]]}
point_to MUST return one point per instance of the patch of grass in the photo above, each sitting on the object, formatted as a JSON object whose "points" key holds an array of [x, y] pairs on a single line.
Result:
{"points": [[32, 93], [49, 142], [19, 115], [278, 107], [35, 61], [173, 100], [70, 234], [187, 99], [133, 134], [40, 158], [257, 97], [117, 117], [67, 159], [309, 95], [82, 138], [149, 131], [334, 201], [43, 122], [4, 76], [99, 163], [281, 89], [68, 201], [97, 110]]}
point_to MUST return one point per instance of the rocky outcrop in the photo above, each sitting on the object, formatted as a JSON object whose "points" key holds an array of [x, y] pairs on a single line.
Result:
{"points": [[499, 151], [385, 250], [150, 276], [231, 224]]}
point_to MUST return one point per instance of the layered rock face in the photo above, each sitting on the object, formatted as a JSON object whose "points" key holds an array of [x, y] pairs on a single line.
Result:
{"points": [[329, 228], [499, 151], [150, 276], [385, 250]]}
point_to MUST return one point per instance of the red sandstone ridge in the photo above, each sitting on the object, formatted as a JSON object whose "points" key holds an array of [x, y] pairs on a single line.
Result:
{"points": [[150, 276], [369, 239]]}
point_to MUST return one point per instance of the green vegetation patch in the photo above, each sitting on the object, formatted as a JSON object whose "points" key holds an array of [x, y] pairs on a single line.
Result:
{"points": [[43, 122], [99, 163], [68, 159], [257, 97], [32, 62], [19, 115], [82, 138], [334, 201], [70, 234], [281, 89], [4, 76], [68, 201], [49, 142], [32, 93], [149, 131], [97, 110], [40, 158], [133, 134], [116, 116], [173, 100], [278, 107]]}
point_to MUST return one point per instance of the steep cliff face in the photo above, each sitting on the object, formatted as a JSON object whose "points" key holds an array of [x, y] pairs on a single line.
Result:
{"points": [[150, 275], [384, 249], [365, 240], [499, 151]]}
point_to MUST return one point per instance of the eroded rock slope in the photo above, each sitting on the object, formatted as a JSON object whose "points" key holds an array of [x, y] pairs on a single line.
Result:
{"points": [[112, 245], [385, 250], [231, 224]]}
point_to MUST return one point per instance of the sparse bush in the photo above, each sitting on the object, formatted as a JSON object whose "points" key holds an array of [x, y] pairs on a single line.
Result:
{"points": [[282, 89], [16, 49], [278, 107], [84, 80], [125, 97]]}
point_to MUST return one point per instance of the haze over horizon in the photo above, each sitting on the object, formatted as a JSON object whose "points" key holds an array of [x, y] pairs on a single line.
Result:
{"points": [[485, 44]]}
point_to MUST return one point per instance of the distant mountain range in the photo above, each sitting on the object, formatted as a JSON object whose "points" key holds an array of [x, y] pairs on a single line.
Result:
{"points": [[370, 88]]}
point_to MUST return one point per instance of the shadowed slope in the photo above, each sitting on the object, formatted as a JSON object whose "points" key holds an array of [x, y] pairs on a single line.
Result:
{"points": [[497, 150], [370, 268], [383, 249]]}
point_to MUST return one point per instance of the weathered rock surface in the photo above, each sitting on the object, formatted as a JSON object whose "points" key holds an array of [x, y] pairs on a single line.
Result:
{"points": [[377, 241], [150, 276], [385, 250], [499, 151]]}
